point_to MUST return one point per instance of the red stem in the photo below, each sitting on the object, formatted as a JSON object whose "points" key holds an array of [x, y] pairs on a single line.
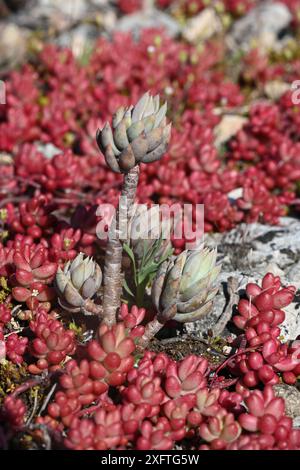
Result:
{"points": [[89, 410], [26, 386], [224, 363]]}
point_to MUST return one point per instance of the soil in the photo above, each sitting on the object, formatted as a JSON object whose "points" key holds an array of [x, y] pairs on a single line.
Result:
{"points": [[180, 347]]}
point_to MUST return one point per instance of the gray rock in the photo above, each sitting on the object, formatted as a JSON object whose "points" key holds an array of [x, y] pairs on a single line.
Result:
{"points": [[291, 397], [290, 329], [229, 126], [294, 273], [296, 422], [262, 25], [12, 45], [79, 39], [74, 9], [211, 321], [153, 18], [253, 247], [202, 26], [247, 253], [48, 150], [43, 15], [274, 89], [99, 3], [252, 251], [199, 327], [60, 15]]}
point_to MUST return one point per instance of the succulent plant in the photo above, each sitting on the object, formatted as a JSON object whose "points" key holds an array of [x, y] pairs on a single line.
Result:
{"points": [[149, 234], [187, 283], [139, 134], [52, 343], [77, 282], [150, 246]]}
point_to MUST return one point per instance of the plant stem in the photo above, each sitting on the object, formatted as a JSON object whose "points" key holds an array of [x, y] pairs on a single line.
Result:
{"points": [[113, 256], [140, 293], [154, 326], [34, 408], [90, 308], [151, 329], [30, 383], [229, 359]]}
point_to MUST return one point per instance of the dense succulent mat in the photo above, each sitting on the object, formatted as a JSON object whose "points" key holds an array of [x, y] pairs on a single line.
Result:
{"points": [[75, 368]]}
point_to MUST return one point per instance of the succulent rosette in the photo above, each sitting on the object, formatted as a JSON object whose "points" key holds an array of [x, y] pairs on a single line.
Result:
{"points": [[150, 234], [185, 285], [77, 282], [139, 134]]}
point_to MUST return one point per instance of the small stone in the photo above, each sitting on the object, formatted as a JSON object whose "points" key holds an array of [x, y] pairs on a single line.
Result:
{"points": [[6, 158], [275, 89], [107, 20], [53, 15], [74, 9], [12, 45], [291, 397], [153, 18], [296, 422], [226, 350], [228, 127], [294, 273], [262, 26], [48, 150], [98, 3], [235, 194], [80, 39], [202, 26]]}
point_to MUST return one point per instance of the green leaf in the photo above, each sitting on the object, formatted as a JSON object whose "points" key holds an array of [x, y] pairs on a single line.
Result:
{"points": [[143, 274], [127, 289], [130, 253], [144, 252], [168, 254], [155, 247]]}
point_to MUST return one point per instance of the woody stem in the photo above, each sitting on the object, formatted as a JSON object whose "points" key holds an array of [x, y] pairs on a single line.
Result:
{"points": [[158, 322], [113, 258]]}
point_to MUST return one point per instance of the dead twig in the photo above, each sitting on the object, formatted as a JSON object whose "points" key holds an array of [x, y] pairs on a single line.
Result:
{"points": [[47, 399], [35, 403], [232, 286]]}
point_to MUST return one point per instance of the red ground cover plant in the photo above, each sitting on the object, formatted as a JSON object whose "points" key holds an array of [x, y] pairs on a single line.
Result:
{"points": [[62, 102], [100, 385], [113, 394]]}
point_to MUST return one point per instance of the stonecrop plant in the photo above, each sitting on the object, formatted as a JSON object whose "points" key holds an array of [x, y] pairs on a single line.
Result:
{"points": [[77, 370]]}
